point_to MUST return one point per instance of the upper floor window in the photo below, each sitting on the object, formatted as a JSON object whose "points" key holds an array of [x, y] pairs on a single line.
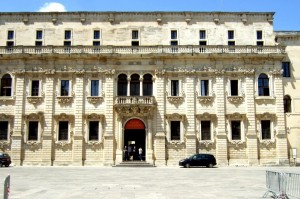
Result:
{"points": [[263, 85], [96, 34], [235, 130], [265, 129], [94, 87], [93, 130], [173, 34], [97, 37], [135, 34], [63, 130], [10, 35], [122, 85], [33, 127], [64, 88], [204, 87], [68, 34], [287, 104], [135, 85], [175, 130], [286, 69], [230, 34], [202, 34], [205, 130], [3, 130], [234, 87], [174, 87], [35, 86], [6, 85], [39, 34], [259, 35], [147, 85]]}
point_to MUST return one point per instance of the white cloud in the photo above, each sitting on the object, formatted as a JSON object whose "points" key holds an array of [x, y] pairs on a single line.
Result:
{"points": [[52, 7]]}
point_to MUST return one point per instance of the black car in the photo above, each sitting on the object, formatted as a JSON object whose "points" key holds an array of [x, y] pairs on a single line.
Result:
{"points": [[207, 160], [4, 159]]}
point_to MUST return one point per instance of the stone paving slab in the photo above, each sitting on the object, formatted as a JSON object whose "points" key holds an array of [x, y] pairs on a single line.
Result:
{"points": [[136, 183]]}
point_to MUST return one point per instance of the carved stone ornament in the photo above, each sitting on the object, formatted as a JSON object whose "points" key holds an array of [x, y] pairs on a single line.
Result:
{"points": [[175, 99], [4, 144], [206, 116], [205, 99], [267, 142], [237, 143], [34, 99], [135, 110], [6, 117], [34, 116], [266, 116], [109, 72], [63, 144], [175, 116], [64, 116], [249, 72], [94, 143], [236, 116], [176, 142], [235, 99], [277, 72], [264, 99], [160, 73], [95, 99], [50, 72], [80, 72], [94, 116], [65, 99], [7, 99], [206, 143]]}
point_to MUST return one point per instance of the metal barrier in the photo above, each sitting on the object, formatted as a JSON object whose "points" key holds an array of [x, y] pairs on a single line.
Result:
{"points": [[282, 185], [6, 187]]}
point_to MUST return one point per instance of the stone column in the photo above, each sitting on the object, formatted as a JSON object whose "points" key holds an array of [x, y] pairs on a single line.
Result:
{"points": [[281, 135], [190, 116], [120, 131], [78, 126], [128, 86], [251, 136], [109, 150], [149, 151], [160, 134], [141, 86], [221, 137], [47, 138], [17, 139]]}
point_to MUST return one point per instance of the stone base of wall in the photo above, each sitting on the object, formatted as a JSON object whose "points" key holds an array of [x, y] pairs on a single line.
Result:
{"points": [[93, 163], [238, 162]]}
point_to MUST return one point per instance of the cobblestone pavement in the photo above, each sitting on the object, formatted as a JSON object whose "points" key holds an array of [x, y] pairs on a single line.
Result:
{"points": [[158, 182]]}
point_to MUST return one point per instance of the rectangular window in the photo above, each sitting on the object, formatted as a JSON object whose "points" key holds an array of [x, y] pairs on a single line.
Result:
{"points": [[259, 43], [96, 34], [174, 88], [265, 129], [3, 130], [94, 130], [230, 34], [259, 35], [231, 43], [202, 34], [95, 88], [38, 43], [174, 43], [10, 43], [68, 34], [33, 129], [64, 88], [235, 130], [39, 34], [204, 87], [10, 34], [63, 131], [173, 34], [202, 43], [175, 130], [96, 43], [67, 43], [234, 87], [286, 69], [205, 130], [35, 86], [135, 34], [135, 43]]}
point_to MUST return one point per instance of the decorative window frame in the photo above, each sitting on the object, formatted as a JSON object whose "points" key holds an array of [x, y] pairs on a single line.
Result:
{"points": [[236, 117], [14, 38], [206, 117], [175, 99], [262, 37], [235, 99], [211, 95], [35, 99], [139, 35], [68, 118], [34, 117], [65, 99], [94, 117], [95, 99], [43, 36], [10, 120], [100, 32], [271, 87], [272, 118], [175, 117], [12, 96]]}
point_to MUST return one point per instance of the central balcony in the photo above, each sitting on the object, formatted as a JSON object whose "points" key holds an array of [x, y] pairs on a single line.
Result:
{"points": [[135, 105], [187, 49]]}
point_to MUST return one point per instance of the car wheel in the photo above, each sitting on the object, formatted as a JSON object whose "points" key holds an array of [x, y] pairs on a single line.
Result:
{"points": [[187, 165], [7, 165], [210, 165]]}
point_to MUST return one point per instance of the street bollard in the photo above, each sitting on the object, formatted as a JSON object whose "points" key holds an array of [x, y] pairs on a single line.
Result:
{"points": [[6, 187]]}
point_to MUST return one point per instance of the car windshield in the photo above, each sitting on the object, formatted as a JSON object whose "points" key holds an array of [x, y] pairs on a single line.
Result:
{"points": [[191, 157]]}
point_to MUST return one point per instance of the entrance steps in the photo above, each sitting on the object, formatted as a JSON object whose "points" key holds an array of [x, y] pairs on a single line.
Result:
{"points": [[134, 164]]}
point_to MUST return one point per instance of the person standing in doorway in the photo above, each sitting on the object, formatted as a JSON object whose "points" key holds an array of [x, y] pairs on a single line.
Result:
{"points": [[129, 152], [141, 153], [134, 153], [125, 151]]}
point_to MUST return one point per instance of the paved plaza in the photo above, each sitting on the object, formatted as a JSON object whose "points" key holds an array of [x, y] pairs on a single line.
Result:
{"points": [[156, 182]]}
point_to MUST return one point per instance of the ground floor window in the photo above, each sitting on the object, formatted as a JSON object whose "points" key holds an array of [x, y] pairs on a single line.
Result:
{"points": [[33, 127], [205, 130], [63, 131], [235, 130], [265, 129], [94, 130], [175, 130], [3, 130]]}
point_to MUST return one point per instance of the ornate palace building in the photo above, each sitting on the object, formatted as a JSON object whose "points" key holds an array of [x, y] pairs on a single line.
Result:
{"points": [[77, 87]]}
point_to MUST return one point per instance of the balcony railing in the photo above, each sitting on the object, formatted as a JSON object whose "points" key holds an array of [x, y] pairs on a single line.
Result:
{"points": [[134, 100], [141, 49]]}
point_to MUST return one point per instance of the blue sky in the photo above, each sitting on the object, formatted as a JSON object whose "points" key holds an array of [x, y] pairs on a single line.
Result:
{"points": [[287, 15]]}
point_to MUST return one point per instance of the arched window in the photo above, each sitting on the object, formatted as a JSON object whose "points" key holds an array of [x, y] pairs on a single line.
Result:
{"points": [[122, 85], [135, 85], [147, 85], [6, 82], [287, 104], [263, 85]]}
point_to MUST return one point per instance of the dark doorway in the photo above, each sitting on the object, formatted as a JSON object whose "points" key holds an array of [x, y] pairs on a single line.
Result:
{"points": [[135, 138]]}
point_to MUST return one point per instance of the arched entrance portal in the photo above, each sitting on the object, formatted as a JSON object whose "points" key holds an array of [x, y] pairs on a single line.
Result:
{"points": [[135, 136]]}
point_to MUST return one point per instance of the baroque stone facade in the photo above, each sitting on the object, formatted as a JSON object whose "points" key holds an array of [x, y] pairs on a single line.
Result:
{"points": [[78, 87]]}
